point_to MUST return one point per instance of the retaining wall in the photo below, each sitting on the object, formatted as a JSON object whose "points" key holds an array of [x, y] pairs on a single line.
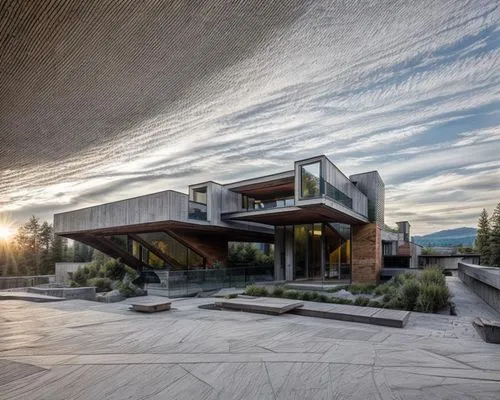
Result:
{"points": [[484, 281]]}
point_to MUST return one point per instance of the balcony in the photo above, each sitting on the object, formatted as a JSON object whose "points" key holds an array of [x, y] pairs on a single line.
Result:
{"points": [[336, 195], [259, 205]]}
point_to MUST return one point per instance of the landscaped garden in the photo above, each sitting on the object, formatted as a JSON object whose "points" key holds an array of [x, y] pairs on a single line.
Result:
{"points": [[424, 292], [112, 277]]}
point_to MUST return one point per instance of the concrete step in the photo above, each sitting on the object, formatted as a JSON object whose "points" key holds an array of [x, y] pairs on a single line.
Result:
{"points": [[366, 315], [266, 305]]}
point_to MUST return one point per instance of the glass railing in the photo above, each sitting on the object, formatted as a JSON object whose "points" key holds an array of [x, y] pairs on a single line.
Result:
{"points": [[269, 204], [190, 282], [197, 211], [335, 194]]}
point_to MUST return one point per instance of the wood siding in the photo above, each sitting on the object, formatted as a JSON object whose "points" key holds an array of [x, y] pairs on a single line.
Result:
{"points": [[162, 206]]}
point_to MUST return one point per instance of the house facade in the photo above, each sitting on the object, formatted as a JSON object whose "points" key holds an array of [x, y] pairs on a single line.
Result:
{"points": [[324, 225]]}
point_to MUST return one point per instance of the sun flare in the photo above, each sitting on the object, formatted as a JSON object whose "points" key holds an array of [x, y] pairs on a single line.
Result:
{"points": [[5, 233]]}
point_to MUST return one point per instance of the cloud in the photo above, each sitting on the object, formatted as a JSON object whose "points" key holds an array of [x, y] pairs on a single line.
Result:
{"points": [[410, 90]]}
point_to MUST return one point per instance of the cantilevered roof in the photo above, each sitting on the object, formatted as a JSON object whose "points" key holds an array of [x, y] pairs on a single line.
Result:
{"points": [[268, 186]]}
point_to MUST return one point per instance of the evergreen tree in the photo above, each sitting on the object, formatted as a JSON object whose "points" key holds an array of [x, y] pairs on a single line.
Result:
{"points": [[28, 242], [494, 258], [483, 237]]}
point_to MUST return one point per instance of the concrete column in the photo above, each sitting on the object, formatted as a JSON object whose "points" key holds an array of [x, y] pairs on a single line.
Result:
{"points": [[279, 253], [366, 253], [289, 259]]}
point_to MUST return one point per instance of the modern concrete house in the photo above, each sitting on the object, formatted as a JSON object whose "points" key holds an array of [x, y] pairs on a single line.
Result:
{"points": [[324, 225]]}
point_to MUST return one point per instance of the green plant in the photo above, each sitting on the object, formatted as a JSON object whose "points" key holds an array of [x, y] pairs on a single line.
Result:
{"points": [[361, 301], [409, 293], [382, 289], [278, 291], [339, 300], [432, 297], [323, 298], [306, 296], [291, 294], [73, 284], [231, 296], [256, 291], [433, 275], [101, 284], [361, 288], [375, 303], [127, 289]]}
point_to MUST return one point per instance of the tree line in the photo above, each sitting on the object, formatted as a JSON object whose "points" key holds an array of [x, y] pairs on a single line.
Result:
{"points": [[488, 237], [35, 249]]}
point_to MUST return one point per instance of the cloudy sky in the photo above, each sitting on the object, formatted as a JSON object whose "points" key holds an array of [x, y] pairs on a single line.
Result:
{"points": [[104, 102]]}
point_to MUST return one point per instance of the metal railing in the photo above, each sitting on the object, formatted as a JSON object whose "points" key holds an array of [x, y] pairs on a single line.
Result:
{"points": [[269, 204], [335, 194]]}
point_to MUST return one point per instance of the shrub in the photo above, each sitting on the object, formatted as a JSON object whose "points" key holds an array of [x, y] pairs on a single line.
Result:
{"points": [[101, 284], [114, 270], [315, 296], [361, 301], [256, 291], [73, 284], [306, 296], [361, 288], [374, 303], [323, 298], [409, 294], [432, 297], [132, 273], [231, 296], [400, 279], [80, 276], [433, 275], [390, 293], [339, 300], [383, 289], [127, 289], [278, 291], [291, 294]]}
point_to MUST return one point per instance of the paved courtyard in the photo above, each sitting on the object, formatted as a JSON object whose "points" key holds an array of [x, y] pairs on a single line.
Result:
{"points": [[84, 350]]}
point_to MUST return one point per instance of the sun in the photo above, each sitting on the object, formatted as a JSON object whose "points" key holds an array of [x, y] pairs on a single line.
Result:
{"points": [[5, 233]]}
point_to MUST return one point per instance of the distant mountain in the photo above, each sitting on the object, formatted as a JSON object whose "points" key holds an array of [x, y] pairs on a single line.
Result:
{"points": [[448, 238]]}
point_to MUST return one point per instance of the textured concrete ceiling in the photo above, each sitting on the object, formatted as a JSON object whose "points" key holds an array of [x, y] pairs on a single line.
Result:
{"points": [[75, 74]]}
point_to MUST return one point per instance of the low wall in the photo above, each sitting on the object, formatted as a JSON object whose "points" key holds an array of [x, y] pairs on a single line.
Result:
{"points": [[62, 269], [484, 281], [11, 282], [82, 293]]}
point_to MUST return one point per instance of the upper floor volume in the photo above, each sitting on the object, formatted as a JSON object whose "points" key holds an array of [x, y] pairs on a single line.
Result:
{"points": [[314, 191]]}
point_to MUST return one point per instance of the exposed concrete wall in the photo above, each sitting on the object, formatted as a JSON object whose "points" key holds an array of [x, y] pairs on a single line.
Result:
{"points": [[62, 269], [484, 281], [11, 282], [366, 253]]}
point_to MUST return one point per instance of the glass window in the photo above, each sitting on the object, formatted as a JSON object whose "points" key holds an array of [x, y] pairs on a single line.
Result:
{"points": [[199, 195], [310, 176], [300, 249]]}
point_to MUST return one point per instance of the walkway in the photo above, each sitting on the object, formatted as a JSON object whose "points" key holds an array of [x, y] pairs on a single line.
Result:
{"points": [[469, 304], [78, 349]]}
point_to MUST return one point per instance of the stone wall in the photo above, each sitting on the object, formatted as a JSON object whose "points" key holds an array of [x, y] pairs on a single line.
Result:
{"points": [[366, 253], [12, 282], [484, 281]]}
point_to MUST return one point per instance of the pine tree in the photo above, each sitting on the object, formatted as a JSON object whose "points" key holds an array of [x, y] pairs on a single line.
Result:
{"points": [[494, 241], [483, 237]]}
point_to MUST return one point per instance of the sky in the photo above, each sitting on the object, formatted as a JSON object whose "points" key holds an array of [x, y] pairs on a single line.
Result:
{"points": [[107, 104]]}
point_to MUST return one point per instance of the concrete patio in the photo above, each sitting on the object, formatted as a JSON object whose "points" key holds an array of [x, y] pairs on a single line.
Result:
{"points": [[78, 349]]}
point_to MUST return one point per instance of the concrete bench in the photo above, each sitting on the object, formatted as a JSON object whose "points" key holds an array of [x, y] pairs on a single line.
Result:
{"points": [[151, 307], [265, 305], [489, 330]]}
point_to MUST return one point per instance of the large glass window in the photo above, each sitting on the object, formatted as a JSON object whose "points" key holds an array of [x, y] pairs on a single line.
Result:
{"points": [[338, 251], [310, 180], [300, 250], [199, 195]]}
